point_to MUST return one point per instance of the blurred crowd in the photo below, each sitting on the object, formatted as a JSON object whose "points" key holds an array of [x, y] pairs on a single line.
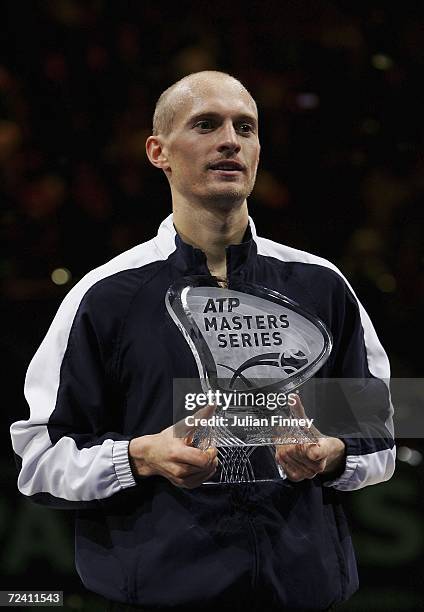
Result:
{"points": [[338, 85]]}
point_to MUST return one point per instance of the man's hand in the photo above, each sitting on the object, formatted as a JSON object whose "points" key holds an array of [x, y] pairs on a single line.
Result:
{"points": [[300, 461], [164, 454]]}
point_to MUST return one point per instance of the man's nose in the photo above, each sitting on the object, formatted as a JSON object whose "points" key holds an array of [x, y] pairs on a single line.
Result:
{"points": [[228, 139]]}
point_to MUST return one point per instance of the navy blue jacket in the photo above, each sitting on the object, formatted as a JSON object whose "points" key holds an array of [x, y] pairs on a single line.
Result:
{"points": [[103, 375]]}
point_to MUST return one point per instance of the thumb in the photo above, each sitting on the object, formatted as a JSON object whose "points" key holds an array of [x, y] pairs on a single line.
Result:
{"points": [[315, 452], [298, 409], [189, 431]]}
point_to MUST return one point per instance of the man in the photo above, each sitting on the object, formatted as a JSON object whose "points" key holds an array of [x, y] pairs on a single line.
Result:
{"points": [[100, 437]]}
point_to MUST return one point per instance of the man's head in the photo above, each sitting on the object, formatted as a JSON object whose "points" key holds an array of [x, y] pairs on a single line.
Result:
{"points": [[205, 139]]}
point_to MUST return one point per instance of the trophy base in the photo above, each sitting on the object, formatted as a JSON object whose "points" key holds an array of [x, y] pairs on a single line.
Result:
{"points": [[244, 464]]}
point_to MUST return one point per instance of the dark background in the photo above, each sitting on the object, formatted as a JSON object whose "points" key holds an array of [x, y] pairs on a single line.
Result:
{"points": [[339, 90]]}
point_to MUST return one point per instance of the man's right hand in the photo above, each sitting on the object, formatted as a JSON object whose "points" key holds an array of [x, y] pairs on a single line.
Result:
{"points": [[172, 457]]}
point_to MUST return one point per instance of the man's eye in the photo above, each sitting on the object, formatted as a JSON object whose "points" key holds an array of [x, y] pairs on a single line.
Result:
{"points": [[245, 127], [205, 124]]}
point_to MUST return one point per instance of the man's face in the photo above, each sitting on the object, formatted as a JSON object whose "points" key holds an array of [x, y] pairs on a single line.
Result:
{"points": [[213, 148]]}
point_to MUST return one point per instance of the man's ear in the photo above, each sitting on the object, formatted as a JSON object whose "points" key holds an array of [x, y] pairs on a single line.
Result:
{"points": [[156, 152]]}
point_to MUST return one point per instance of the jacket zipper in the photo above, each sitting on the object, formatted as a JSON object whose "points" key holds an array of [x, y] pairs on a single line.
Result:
{"points": [[254, 539]]}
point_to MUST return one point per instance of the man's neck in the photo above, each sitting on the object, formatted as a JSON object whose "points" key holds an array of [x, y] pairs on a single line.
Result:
{"points": [[211, 231]]}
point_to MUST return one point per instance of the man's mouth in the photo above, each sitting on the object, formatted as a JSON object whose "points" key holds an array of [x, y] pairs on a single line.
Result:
{"points": [[227, 166]]}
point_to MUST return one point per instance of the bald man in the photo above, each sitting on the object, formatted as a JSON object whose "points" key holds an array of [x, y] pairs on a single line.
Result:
{"points": [[100, 439]]}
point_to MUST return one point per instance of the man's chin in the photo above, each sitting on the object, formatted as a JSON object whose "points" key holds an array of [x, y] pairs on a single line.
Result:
{"points": [[227, 198]]}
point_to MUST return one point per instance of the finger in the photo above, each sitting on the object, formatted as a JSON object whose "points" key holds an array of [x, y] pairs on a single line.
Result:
{"points": [[212, 451], [311, 467], [293, 474], [294, 451], [297, 454], [298, 411], [298, 408], [294, 456], [301, 461], [281, 452], [316, 452], [212, 460], [184, 470], [310, 454], [297, 472], [298, 469], [182, 430], [196, 480], [193, 456]]}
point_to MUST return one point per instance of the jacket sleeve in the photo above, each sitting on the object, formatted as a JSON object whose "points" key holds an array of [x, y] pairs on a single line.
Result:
{"points": [[70, 451], [370, 456]]}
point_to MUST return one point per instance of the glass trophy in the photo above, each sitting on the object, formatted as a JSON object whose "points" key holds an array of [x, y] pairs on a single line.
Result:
{"points": [[250, 344]]}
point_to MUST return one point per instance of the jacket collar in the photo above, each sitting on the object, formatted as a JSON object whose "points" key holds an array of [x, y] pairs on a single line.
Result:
{"points": [[190, 260]]}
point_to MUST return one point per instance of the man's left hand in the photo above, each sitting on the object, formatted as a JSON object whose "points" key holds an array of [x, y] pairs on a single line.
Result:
{"points": [[301, 461]]}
